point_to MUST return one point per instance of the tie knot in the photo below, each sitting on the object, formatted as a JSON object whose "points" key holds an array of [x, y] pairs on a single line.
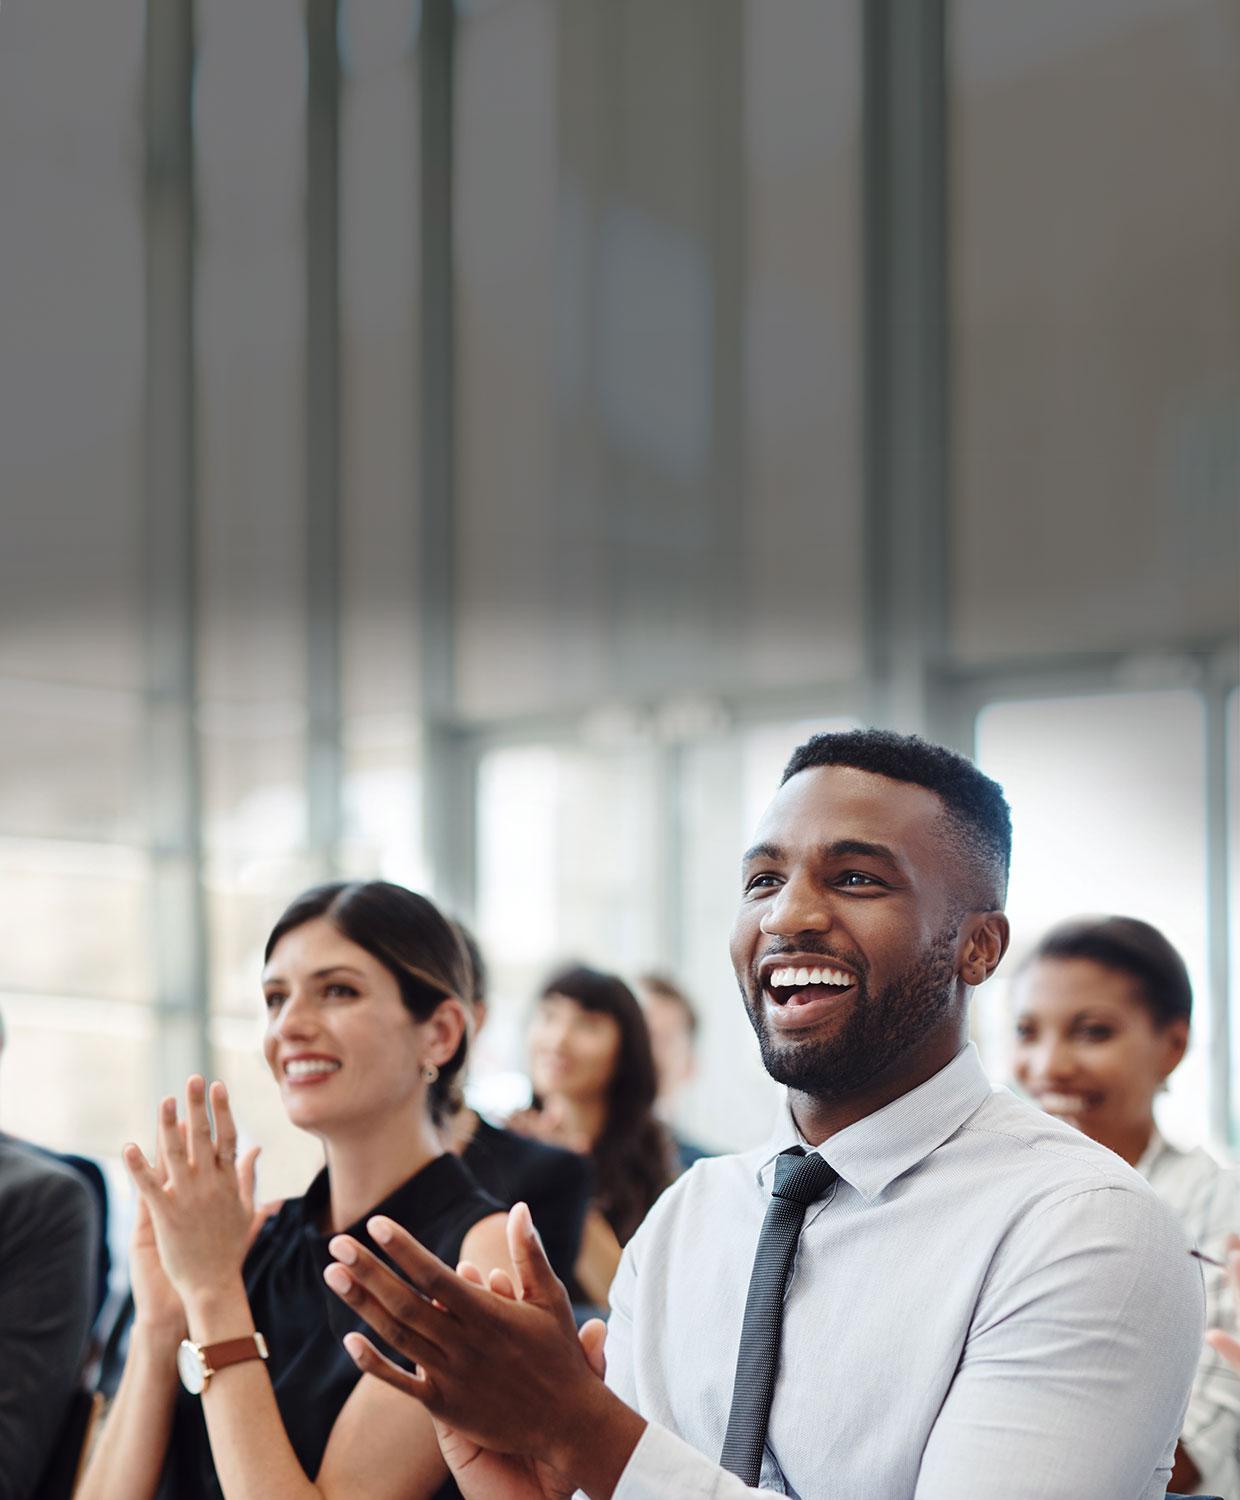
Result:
{"points": [[803, 1177]]}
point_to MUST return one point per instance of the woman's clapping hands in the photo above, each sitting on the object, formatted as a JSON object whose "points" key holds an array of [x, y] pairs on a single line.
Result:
{"points": [[197, 1207]]}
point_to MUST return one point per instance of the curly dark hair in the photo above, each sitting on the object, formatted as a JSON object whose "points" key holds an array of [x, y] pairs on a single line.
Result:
{"points": [[633, 1159], [412, 939], [977, 820]]}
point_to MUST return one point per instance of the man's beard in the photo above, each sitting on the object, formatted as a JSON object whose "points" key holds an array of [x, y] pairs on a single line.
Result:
{"points": [[879, 1031]]}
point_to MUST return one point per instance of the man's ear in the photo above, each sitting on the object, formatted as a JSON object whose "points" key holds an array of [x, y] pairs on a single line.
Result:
{"points": [[984, 941]]}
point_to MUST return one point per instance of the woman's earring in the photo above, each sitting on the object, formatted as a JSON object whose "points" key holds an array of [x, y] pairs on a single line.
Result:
{"points": [[430, 1072]]}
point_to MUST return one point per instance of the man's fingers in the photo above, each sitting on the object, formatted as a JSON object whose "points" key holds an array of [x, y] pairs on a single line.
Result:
{"points": [[538, 1283], [467, 1271], [500, 1283], [225, 1126], [368, 1359], [427, 1272], [593, 1336], [393, 1309], [201, 1146]]}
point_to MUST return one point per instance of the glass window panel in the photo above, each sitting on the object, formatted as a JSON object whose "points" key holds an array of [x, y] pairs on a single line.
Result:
{"points": [[253, 770], [71, 341], [383, 801], [1096, 350], [565, 847], [76, 1073], [71, 762], [75, 920], [1108, 814]]}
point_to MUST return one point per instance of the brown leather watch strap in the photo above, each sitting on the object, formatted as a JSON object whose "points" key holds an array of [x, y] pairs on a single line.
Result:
{"points": [[234, 1351]]}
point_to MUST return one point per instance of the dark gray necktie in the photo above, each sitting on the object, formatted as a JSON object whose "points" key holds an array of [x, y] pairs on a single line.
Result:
{"points": [[800, 1180]]}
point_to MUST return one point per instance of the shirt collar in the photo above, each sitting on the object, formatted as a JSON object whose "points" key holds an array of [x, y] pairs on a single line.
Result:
{"points": [[1157, 1146], [872, 1152]]}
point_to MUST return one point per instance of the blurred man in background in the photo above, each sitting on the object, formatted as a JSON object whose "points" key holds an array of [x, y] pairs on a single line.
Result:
{"points": [[49, 1236], [673, 1025]]}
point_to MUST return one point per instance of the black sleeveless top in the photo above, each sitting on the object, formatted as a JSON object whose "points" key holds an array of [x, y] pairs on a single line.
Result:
{"points": [[304, 1321]]}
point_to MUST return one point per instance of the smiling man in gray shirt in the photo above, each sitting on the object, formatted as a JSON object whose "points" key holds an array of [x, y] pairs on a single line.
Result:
{"points": [[981, 1302]]}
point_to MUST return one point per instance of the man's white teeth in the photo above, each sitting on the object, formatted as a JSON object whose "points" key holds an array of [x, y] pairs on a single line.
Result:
{"points": [[307, 1067], [791, 977]]}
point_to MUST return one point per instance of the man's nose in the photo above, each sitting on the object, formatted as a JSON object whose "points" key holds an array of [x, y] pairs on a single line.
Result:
{"points": [[800, 905]]}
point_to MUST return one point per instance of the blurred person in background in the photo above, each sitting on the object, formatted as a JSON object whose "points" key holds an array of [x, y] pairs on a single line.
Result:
{"points": [[1103, 1012], [49, 1238], [556, 1184], [673, 1025], [594, 1083], [366, 1036]]}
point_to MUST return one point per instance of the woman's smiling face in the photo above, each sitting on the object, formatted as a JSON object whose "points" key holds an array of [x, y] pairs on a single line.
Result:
{"points": [[1088, 1048], [573, 1051], [340, 1042]]}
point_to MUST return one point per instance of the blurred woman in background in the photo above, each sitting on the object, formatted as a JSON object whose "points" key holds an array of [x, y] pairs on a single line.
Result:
{"points": [[556, 1185], [1103, 1012], [366, 1034], [595, 1087]]}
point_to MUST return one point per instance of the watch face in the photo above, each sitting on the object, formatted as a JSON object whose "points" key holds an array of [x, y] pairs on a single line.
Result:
{"points": [[191, 1368]]}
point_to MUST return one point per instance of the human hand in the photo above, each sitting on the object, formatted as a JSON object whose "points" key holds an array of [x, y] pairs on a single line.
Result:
{"points": [[479, 1474], [549, 1124], [156, 1304], [198, 1200], [1224, 1343], [502, 1374]]}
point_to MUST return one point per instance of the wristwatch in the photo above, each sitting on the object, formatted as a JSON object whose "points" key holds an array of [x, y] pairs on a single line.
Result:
{"points": [[196, 1363]]}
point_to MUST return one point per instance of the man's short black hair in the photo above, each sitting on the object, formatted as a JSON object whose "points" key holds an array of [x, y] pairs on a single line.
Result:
{"points": [[979, 822], [1130, 947]]}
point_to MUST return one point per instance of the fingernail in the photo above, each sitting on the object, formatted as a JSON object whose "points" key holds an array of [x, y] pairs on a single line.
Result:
{"points": [[380, 1229], [343, 1248], [169, 1108], [338, 1279]]}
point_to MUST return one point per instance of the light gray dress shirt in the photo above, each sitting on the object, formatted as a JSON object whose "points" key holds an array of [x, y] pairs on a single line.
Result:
{"points": [[988, 1306], [1205, 1198]]}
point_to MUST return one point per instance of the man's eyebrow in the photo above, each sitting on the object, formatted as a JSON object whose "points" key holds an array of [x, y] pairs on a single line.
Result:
{"points": [[762, 851], [862, 847]]}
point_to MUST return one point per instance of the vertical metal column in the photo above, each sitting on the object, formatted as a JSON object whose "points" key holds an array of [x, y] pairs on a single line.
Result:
{"points": [[179, 925], [724, 21], [906, 360], [324, 748], [1218, 925], [449, 765]]}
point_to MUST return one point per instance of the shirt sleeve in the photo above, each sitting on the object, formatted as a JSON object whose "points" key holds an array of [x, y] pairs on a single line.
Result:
{"points": [[1076, 1372], [47, 1259], [1212, 1423], [663, 1464]]}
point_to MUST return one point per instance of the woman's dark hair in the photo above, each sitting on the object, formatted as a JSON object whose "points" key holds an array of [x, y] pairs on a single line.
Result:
{"points": [[633, 1155], [413, 941], [1129, 947]]}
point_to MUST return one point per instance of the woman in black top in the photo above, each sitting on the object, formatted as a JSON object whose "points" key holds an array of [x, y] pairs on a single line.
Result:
{"points": [[555, 1184], [594, 1086], [365, 1035]]}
